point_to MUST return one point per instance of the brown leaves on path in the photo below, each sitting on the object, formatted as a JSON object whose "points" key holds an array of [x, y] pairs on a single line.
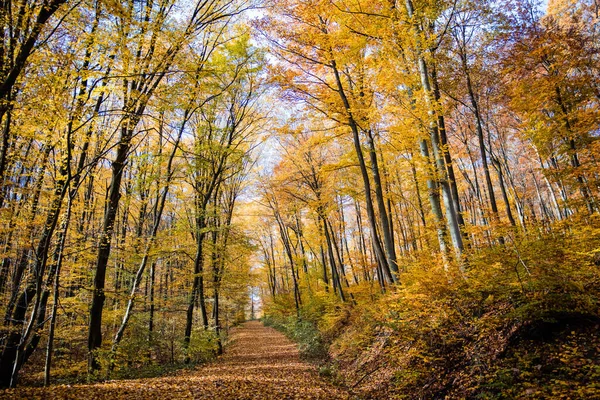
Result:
{"points": [[260, 363]]}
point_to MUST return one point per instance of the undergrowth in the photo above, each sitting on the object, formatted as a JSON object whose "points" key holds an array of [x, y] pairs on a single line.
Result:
{"points": [[310, 341], [520, 321], [138, 356]]}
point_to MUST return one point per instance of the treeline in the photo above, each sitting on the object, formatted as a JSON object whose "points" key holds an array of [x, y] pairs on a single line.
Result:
{"points": [[444, 154], [127, 133]]}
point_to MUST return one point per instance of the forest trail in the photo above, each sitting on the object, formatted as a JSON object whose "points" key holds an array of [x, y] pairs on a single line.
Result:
{"points": [[259, 363]]}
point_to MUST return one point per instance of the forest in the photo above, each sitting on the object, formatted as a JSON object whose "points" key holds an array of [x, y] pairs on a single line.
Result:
{"points": [[319, 198]]}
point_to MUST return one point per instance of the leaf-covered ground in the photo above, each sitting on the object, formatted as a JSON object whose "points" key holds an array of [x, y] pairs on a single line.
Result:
{"points": [[260, 363]]}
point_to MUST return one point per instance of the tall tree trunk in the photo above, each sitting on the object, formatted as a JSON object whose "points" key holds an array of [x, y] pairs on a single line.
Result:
{"points": [[553, 197], [364, 173], [480, 135], [509, 214], [98, 295], [441, 122], [58, 259], [386, 226], [335, 278], [196, 293], [4, 152], [287, 245], [451, 214], [152, 301]]}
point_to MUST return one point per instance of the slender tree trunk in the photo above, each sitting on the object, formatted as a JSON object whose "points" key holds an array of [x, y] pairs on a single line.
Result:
{"points": [[386, 227], [337, 286], [4, 152], [509, 214], [574, 158], [553, 197], [197, 291], [413, 171], [434, 201], [152, 302], [59, 256], [451, 214], [98, 295], [480, 135], [288, 251], [441, 122], [365, 175]]}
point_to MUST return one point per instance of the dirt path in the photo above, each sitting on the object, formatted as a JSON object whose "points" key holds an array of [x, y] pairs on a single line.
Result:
{"points": [[260, 363]]}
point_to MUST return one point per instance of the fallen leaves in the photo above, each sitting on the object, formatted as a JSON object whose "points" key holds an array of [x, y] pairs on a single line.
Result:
{"points": [[260, 363]]}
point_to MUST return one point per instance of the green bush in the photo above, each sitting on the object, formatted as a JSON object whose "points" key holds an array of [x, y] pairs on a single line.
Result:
{"points": [[203, 345], [310, 341], [305, 333]]}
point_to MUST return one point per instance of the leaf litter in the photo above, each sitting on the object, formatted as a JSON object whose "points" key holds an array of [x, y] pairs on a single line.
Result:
{"points": [[259, 363]]}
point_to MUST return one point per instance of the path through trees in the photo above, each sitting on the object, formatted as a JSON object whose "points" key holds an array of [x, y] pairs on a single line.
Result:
{"points": [[260, 363]]}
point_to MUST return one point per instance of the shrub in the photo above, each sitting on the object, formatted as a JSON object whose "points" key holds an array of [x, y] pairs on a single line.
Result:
{"points": [[203, 345], [305, 333]]}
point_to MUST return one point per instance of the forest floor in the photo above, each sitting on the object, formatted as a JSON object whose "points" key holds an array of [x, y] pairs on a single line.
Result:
{"points": [[259, 363]]}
